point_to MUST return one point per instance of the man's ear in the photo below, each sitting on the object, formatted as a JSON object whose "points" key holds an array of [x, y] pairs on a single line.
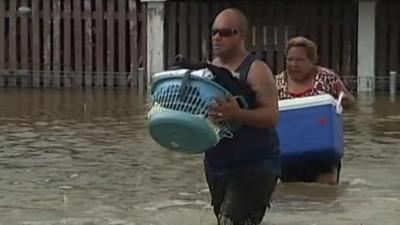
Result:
{"points": [[243, 34]]}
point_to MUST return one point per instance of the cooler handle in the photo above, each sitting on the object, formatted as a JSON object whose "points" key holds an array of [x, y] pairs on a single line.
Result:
{"points": [[339, 107]]}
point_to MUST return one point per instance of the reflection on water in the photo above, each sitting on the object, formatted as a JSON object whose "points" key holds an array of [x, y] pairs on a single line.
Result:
{"points": [[85, 157]]}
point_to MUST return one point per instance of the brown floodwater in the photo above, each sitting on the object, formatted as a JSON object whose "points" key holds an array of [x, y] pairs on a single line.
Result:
{"points": [[83, 157]]}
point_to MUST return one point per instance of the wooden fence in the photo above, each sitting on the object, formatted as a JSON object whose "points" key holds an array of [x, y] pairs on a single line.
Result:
{"points": [[71, 42], [387, 42], [331, 24], [102, 43]]}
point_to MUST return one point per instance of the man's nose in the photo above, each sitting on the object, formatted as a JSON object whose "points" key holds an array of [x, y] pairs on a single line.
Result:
{"points": [[293, 63]]}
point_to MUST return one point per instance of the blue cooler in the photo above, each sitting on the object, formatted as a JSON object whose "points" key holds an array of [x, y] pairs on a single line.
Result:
{"points": [[310, 128]]}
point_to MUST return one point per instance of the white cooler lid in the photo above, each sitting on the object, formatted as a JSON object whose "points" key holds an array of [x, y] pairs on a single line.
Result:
{"points": [[304, 102]]}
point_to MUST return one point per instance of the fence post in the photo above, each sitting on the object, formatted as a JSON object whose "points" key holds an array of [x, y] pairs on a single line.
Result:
{"points": [[155, 37], [141, 79], [392, 83], [366, 43]]}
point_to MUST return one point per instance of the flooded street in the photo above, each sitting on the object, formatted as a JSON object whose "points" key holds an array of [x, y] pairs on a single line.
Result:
{"points": [[80, 157]]}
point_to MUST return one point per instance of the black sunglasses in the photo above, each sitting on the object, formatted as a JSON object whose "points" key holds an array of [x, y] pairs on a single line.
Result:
{"points": [[224, 32]]}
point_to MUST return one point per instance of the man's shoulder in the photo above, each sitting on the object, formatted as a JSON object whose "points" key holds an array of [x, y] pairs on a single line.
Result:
{"points": [[260, 66], [260, 74], [259, 62]]}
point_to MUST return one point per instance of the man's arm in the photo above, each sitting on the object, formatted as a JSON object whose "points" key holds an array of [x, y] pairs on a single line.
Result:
{"points": [[266, 112]]}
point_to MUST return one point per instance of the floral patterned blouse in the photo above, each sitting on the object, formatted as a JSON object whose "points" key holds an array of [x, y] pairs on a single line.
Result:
{"points": [[325, 82]]}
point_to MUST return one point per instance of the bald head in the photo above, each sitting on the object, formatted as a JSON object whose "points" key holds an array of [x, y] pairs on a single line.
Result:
{"points": [[229, 33], [234, 18]]}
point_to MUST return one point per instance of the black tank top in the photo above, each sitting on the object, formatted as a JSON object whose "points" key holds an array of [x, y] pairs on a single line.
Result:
{"points": [[250, 147]]}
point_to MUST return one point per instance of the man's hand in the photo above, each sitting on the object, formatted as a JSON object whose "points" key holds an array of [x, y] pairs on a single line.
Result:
{"points": [[265, 114], [225, 110]]}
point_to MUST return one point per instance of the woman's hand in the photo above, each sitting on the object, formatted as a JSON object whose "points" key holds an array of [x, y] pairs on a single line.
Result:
{"points": [[348, 98]]}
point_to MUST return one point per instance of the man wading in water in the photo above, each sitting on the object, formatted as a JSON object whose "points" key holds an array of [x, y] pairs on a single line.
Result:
{"points": [[242, 172]]}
